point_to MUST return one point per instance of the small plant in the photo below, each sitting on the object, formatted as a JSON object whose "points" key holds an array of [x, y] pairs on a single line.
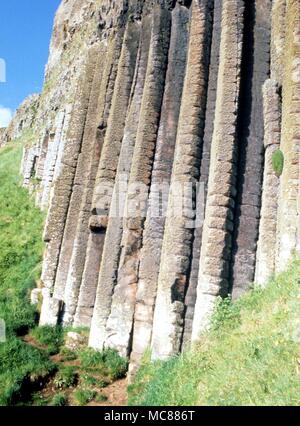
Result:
{"points": [[116, 365], [225, 313], [52, 337], [67, 354], [65, 378], [101, 398], [102, 383], [59, 400], [109, 362], [89, 380], [39, 401], [278, 162], [83, 397]]}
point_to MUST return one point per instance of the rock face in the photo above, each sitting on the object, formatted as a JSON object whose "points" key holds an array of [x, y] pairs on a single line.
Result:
{"points": [[23, 120], [156, 137]]}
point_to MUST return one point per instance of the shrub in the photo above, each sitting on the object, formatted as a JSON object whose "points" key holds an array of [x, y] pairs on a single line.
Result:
{"points": [[59, 400], [66, 378], [278, 162], [83, 397], [101, 398]]}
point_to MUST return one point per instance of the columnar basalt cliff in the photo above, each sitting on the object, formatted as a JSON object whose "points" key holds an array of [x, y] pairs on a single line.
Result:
{"points": [[166, 155]]}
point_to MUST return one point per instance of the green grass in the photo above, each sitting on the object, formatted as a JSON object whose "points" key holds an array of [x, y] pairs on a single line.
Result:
{"points": [[251, 356], [66, 378], [59, 400], [52, 337], [108, 362], [20, 258], [83, 397]]}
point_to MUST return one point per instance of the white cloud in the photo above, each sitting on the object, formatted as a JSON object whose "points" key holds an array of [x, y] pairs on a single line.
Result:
{"points": [[5, 116]]}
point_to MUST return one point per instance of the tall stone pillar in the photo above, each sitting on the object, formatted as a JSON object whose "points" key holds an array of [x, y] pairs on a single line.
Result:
{"points": [[177, 244], [266, 253], [120, 322], [111, 251], [215, 256], [255, 71], [62, 190], [107, 172], [161, 175], [289, 203], [191, 294]]}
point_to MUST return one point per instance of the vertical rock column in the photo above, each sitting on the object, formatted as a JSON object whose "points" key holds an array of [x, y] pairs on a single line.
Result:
{"points": [[61, 193], [255, 71], [289, 200], [107, 172], [218, 225], [161, 176], [111, 251], [177, 244], [266, 254], [278, 25], [93, 153], [50, 161], [190, 299], [80, 182], [120, 322]]}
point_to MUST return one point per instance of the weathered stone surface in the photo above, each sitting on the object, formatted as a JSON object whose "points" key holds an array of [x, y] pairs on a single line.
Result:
{"points": [[139, 95], [162, 169], [215, 242], [119, 324], [288, 213], [111, 250], [177, 244], [266, 253], [108, 167], [255, 69], [190, 298], [23, 120], [62, 189]]}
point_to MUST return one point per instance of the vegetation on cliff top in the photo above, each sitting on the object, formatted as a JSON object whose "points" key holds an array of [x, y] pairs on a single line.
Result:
{"points": [[250, 357]]}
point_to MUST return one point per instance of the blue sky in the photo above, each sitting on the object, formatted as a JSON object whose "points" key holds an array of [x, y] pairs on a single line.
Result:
{"points": [[25, 32]]}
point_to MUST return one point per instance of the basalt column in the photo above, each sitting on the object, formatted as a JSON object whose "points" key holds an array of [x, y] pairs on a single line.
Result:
{"points": [[266, 254], [120, 322], [111, 250], [255, 71], [51, 156], [161, 176], [93, 152], [62, 190], [107, 172], [289, 200], [190, 298], [80, 181], [218, 224], [177, 244]]}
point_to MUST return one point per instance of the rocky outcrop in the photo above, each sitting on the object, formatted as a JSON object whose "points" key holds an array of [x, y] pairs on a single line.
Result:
{"points": [[23, 121], [154, 155]]}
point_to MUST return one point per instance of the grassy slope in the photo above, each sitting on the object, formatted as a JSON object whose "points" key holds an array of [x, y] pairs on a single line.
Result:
{"points": [[23, 365], [250, 357], [20, 257]]}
